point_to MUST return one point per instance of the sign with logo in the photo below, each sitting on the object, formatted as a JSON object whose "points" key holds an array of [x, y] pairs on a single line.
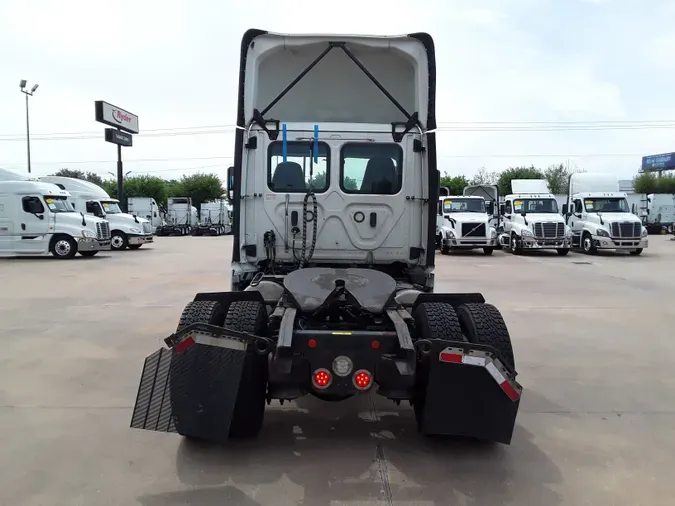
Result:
{"points": [[665, 161], [116, 137], [115, 117]]}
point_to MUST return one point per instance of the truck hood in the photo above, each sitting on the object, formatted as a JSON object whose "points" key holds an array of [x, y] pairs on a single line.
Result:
{"points": [[124, 217], [468, 217], [75, 220], [610, 217], [544, 218]]}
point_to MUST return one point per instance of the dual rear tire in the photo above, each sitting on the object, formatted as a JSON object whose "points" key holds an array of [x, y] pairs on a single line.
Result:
{"points": [[244, 316]]}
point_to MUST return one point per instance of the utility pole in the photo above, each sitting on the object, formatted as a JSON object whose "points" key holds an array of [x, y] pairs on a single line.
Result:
{"points": [[22, 85]]}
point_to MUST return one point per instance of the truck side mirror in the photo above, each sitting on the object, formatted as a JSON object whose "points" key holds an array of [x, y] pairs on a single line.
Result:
{"points": [[502, 209], [490, 207], [564, 209], [230, 184]]}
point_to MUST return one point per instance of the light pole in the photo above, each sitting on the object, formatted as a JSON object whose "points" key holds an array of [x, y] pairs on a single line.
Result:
{"points": [[22, 85]]}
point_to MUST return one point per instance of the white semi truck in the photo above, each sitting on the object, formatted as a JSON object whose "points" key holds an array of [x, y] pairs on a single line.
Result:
{"points": [[127, 231], [463, 223], [181, 216], [215, 218], [599, 216], [532, 220], [37, 219], [146, 207]]}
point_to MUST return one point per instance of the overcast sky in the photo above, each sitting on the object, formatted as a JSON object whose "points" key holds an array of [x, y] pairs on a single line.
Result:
{"points": [[174, 64]]}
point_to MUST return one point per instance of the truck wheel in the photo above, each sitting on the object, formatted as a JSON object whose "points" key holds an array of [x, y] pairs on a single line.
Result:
{"points": [[445, 249], [636, 252], [433, 320], [563, 251], [249, 408], [63, 247], [488, 251], [516, 245], [88, 253], [194, 312], [135, 246], [587, 244], [484, 324], [119, 241]]}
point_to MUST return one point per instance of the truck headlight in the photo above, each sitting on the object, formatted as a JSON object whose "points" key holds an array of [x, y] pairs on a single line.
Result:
{"points": [[602, 232], [493, 233], [569, 234], [451, 234], [527, 233], [644, 232], [135, 230], [88, 233]]}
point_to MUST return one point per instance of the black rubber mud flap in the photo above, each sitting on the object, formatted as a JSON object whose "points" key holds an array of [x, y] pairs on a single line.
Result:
{"points": [[465, 400], [470, 393], [192, 388]]}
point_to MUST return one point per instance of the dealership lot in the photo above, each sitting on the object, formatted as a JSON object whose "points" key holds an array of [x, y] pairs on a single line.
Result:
{"points": [[593, 337]]}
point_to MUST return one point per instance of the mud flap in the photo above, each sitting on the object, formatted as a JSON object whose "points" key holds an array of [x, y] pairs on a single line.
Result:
{"points": [[191, 388], [469, 393]]}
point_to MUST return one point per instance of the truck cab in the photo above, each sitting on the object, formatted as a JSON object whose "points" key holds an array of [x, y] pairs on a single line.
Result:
{"points": [[600, 217], [37, 219], [181, 217], [127, 231], [146, 207], [532, 220], [464, 223]]}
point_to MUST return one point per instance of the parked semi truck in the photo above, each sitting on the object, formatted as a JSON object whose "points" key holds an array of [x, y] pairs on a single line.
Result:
{"points": [[532, 220], [215, 218], [37, 219], [126, 231], [332, 285], [146, 207], [181, 217], [599, 216], [464, 223]]}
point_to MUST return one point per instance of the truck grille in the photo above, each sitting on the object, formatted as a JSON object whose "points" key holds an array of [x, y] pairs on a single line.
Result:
{"points": [[103, 230], [473, 230], [548, 230], [626, 229], [147, 228]]}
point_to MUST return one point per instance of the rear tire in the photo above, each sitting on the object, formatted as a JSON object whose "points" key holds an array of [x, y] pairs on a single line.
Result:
{"points": [[433, 320], [484, 324], [249, 409]]}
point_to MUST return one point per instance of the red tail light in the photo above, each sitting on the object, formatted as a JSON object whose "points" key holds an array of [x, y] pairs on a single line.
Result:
{"points": [[362, 379], [322, 378]]}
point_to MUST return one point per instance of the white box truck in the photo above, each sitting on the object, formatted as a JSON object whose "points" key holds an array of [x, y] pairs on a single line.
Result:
{"points": [[126, 231], [532, 220], [37, 219], [599, 216]]}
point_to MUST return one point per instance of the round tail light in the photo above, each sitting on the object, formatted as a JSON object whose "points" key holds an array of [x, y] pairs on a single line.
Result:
{"points": [[322, 378], [362, 379]]}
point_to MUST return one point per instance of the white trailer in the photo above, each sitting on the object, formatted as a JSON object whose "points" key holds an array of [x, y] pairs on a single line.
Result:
{"points": [[127, 231], [599, 216], [37, 219]]}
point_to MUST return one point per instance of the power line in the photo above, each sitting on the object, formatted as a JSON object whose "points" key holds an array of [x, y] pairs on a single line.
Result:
{"points": [[472, 126]]}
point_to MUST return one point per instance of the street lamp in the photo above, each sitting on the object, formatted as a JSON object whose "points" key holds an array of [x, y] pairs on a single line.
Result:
{"points": [[22, 85]]}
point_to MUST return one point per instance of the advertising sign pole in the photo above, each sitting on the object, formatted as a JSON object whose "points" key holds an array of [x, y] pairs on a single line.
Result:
{"points": [[120, 176]]}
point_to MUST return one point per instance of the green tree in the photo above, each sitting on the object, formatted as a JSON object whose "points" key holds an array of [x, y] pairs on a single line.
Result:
{"points": [[147, 186], [484, 176], [650, 182], [201, 188], [92, 177], [350, 184], [456, 184], [506, 176]]}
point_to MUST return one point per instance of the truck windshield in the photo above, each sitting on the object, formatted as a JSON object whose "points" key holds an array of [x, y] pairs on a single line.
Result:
{"points": [[59, 204], [464, 206], [111, 207], [606, 205], [535, 206]]}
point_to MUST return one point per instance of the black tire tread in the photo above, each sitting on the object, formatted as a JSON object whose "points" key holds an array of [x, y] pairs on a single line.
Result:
{"points": [[437, 320], [249, 409], [202, 311], [484, 324]]}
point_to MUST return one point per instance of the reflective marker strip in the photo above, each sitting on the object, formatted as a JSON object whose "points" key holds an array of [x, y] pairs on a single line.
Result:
{"points": [[219, 342], [503, 383], [456, 356]]}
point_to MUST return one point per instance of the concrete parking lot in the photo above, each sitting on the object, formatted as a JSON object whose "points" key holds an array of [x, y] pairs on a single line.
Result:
{"points": [[594, 343]]}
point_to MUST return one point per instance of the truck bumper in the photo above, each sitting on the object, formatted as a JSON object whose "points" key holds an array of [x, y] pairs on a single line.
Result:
{"points": [[601, 242], [140, 239], [90, 244], [554, 243], [471, 242]]}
